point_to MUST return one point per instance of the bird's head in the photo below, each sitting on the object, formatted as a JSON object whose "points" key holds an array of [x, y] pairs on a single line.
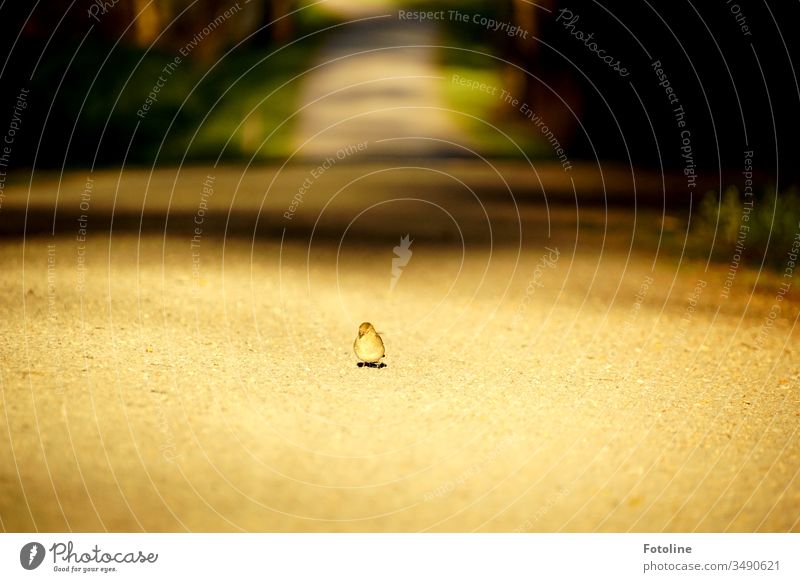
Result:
{"points": [[365, 328]]}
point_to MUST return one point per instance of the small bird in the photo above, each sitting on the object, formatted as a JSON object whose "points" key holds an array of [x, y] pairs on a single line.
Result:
{"points": [[369, 346]]}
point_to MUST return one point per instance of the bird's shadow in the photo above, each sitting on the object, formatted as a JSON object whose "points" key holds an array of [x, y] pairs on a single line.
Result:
{"points": [[371, 365]]}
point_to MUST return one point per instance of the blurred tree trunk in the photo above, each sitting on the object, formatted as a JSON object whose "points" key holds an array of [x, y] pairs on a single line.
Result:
{"points": [[276, 30], [204, 29], [148, 22], [555, 77], [283, 28], [204, 13]]}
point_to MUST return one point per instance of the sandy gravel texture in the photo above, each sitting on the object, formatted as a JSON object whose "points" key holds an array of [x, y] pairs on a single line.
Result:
{"points": [[601, 387]]}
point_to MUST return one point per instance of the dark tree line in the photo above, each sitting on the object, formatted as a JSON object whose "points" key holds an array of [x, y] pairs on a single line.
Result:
{"points": [[730, 66], [62, 52], [738, 87]]}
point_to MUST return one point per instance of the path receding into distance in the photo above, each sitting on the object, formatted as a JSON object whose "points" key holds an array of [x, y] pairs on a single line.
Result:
{"points": [[376, 81], [216, 388]]}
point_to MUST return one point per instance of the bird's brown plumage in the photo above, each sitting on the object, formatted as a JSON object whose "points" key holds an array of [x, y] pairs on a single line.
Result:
{"points": [[368, 345]]}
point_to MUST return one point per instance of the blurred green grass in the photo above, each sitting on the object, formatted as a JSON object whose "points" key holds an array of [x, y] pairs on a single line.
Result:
{"points": [[470, 51], [766, 232], [497, 129], [205, 110], [238, 105]]}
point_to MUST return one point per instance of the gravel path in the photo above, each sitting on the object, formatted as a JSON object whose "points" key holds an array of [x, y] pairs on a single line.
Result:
{"points": [[552, 383], [376, 83]]}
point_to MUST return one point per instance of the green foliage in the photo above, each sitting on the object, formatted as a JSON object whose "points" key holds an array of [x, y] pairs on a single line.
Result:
{"points": [[223, 108], [766, 228], [483, 114]]}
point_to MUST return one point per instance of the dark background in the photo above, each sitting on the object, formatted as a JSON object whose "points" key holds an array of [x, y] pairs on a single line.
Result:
{"points": [[739, 92]]}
